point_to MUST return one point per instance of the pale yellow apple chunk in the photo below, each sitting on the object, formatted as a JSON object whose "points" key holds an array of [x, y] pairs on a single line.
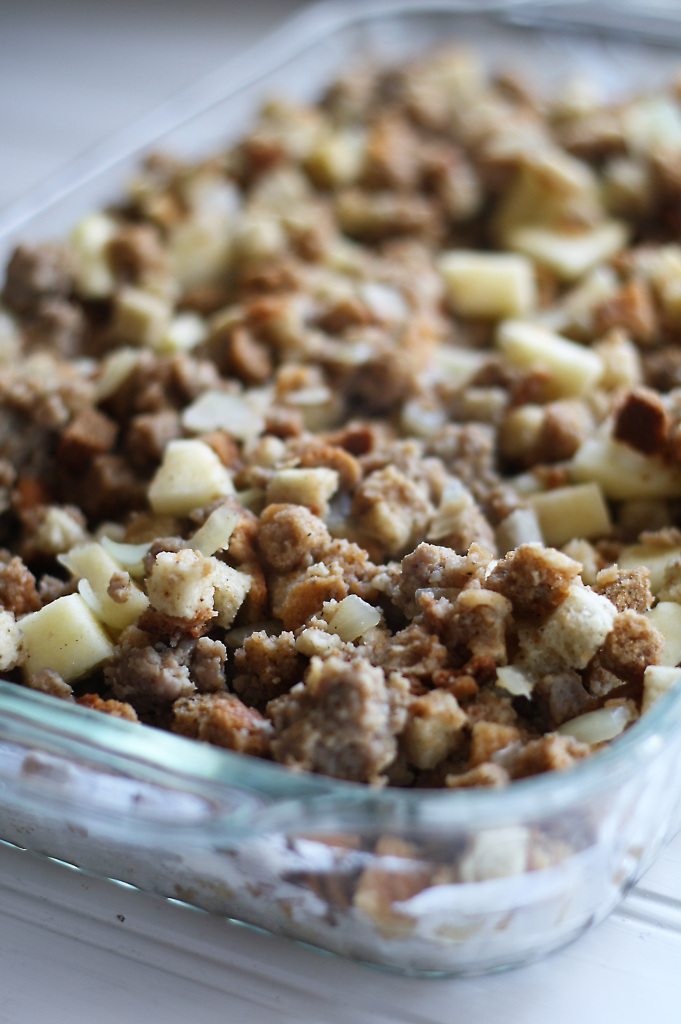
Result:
{"points": [[65, 636], [190, 476], [92, 563], [492, 285], [573, 368], [623, 473], [654, 559], [666, 616], [567, 512]]}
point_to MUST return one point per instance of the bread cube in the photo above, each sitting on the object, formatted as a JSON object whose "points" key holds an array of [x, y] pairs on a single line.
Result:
{"points": [[231, 590]]}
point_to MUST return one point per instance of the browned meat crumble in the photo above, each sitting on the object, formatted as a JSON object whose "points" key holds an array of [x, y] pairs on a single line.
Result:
{"points": [[356, 446]]}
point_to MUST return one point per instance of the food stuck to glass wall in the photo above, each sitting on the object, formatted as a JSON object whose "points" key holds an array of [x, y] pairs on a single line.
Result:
{"points": [[358, 446]]}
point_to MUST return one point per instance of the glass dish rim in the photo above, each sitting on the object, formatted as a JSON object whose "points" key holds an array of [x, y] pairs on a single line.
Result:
{"points": [[85, 732]]}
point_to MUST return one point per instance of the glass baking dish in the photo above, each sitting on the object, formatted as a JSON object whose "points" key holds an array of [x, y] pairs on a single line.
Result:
{"points": [[421, 881]]}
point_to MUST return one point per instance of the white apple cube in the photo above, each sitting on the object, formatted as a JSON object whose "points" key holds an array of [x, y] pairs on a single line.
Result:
{"points": [[574, 369], [92, 563], [666, 616], [190, 476], [569, 254], [65, 636], [567, 512], [622, 472], [492, 285]]}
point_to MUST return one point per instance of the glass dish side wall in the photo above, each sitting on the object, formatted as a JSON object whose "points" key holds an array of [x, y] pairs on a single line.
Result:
{"points": [[370, 875]]}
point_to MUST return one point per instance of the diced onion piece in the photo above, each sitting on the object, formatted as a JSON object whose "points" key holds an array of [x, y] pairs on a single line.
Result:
{"points": [[185, 332], [236, 636], [65, 636], [215, 533], [666, 616], [573, 368], [386, 302], [352, 617], [222, 410], [190, 476], [569, 254], [622, 472], [485, 284], [115, 369], [311, 487], [566, 512], [514, 681], [598, 726], [657, 680], [130, 556], [11, 642]]}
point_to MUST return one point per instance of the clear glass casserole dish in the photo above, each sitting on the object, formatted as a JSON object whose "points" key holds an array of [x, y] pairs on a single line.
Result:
{"points": [[423, 881]]}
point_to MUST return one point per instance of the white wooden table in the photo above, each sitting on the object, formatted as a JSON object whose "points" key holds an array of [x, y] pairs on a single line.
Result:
{"points": [[78, 950]]}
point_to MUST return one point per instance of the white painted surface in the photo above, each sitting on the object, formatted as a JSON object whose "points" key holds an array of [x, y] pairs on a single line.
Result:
{"points": [[78, 950]]}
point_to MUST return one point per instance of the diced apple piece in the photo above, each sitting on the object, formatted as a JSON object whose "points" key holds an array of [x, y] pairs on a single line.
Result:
{"points": [[567, 512], [222, 410], [520, 526], [139, 317], [65, 636], [569, 254], [666, 616], [338, 158], [215, 533], [622, 472], [89, 242], [455, 365], [574, 369], [190, 476], [199, 249], [657, 680], [488, 284], [311, 487], [92, 563], [654, 558]]}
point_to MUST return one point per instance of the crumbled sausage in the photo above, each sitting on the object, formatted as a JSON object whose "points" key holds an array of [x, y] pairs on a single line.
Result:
{"points": [[149, 675], [224, 720], [392, 510], [35, 274], [267, 666], [339, 720], [642, 422], [289, 536]]}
